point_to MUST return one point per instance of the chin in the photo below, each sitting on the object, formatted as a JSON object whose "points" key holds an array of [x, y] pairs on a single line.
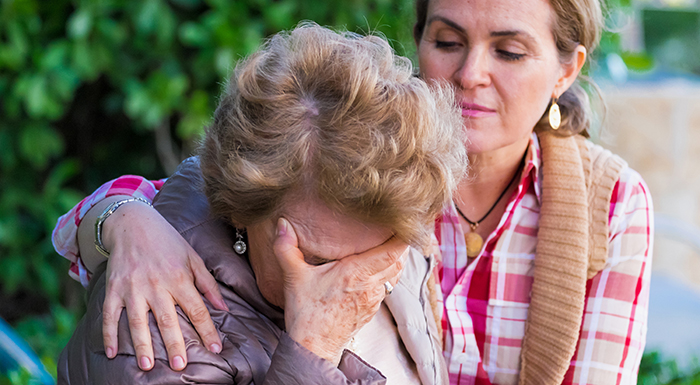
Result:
{"points": [[479, 140]]}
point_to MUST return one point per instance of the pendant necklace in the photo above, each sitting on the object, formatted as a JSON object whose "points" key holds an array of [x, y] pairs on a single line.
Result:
{"points": [[473, 240]]}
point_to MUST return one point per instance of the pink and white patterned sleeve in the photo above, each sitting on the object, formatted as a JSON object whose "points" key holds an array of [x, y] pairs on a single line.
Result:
{"points": [[65, 234], [613, 332]]}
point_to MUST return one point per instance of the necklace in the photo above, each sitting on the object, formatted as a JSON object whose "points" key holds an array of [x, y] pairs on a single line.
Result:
{"points": [[473, 240]]}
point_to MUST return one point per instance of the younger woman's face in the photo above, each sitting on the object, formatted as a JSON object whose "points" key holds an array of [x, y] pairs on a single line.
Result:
{"points": [[501, 57]]}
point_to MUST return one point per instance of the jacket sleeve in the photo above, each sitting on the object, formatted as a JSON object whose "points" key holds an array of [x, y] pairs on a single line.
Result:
{"points": [[293, 364]]}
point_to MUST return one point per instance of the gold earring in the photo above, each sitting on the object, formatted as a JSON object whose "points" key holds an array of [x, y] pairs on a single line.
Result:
{"points": [[554, 114]]}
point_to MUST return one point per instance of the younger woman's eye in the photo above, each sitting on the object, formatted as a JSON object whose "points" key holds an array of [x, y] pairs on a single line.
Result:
{"points": [[442, 44], [510, 56]]}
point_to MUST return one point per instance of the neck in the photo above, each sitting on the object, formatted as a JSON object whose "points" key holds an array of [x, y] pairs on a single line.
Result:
{"points": [[489, 174]]}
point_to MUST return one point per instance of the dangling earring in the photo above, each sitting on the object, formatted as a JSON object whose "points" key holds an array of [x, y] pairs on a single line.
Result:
{"points": [[554, 114], [239, 247]]}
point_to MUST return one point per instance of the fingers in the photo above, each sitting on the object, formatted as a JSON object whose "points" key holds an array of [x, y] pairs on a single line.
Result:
{"points": [[111, 312], [193, 306], [286, 247], [169, 326], [393, 272], [137, 314], [382, 257], [205, 282]]}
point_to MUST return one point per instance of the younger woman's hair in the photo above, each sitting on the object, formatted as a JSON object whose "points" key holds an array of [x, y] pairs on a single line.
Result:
{"points": [[575, 22]]}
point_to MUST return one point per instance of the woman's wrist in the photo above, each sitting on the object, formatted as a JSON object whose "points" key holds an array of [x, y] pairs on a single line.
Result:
{"points": [[111, 209], [116, 225], [322, 347], [117, 216], [89, 255]]}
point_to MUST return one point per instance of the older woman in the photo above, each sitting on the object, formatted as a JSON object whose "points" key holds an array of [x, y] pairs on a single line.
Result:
{"points": [[546, 249], [323, 148]]}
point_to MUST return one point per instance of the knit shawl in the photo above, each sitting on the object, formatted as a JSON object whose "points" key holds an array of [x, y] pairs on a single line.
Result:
{"points": [[572, 246]]}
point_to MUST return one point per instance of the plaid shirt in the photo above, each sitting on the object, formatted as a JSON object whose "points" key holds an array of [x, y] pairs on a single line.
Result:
{"points": [[486, 302]]}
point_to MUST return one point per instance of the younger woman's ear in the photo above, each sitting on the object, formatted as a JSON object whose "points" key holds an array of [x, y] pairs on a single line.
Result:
{"points": [[571, 70]]}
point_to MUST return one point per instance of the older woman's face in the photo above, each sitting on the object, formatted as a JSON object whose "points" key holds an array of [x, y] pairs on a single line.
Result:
{"points": [[502, 58], [323, 234]]}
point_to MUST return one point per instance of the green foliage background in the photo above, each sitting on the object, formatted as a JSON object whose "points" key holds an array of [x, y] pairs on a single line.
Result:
{"points": [[93, 89]]}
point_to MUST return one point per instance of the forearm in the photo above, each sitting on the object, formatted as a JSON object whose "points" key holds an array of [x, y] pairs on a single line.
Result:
{"points": [[65, 234], [86, 230]]}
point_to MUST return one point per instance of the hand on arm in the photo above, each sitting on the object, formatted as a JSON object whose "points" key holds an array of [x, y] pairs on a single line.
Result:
{"points": [[151, 267]]}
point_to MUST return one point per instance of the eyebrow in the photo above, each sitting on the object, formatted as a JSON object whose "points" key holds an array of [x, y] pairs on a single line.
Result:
{"points": [[511, 33], [453, 25], [447, 21]]}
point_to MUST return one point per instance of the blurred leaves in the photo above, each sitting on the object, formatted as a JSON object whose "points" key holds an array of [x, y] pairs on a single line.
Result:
{"points": [[656, 369], [162, 61]]}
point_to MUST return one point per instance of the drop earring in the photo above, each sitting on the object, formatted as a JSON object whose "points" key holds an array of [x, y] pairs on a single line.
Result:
{"points": [[554, 114], [239, 246]]}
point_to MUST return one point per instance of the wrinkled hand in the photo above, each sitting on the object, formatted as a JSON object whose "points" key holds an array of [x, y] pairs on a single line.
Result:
{"points": [[151, 267], [326, 305]]}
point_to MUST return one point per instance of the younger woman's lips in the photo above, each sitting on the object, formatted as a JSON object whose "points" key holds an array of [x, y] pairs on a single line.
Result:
{"points": [[476, 111]]}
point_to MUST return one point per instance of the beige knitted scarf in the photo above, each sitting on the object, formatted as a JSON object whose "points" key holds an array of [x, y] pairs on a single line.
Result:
{"points": [[572, 246]]}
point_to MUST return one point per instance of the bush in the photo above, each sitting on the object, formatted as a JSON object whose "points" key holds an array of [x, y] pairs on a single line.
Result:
{"points": [[656, 369]]}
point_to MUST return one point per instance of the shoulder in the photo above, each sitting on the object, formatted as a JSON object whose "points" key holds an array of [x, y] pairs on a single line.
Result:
{"points": [[184, 188], [605, 166], [83, 360], [631, 206], [629, 191]]}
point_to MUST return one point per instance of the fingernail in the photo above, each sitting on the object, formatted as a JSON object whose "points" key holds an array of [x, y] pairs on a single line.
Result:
{"points": [[178, 363], [145, 362], [215, 348], [110, 353], [281, 226], [222, 305]]}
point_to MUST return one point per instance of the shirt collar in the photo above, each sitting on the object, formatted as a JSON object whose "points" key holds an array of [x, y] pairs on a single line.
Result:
{"points": [[533, 161]]}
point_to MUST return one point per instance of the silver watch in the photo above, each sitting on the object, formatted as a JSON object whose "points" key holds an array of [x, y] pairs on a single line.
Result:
{"points": [[103, 217]]}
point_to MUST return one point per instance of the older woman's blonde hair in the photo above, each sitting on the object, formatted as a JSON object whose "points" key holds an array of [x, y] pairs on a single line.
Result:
{"points": [[337, 116]]}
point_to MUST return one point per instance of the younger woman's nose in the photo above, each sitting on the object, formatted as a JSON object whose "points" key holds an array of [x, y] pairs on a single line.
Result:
{"points": [[474, 70]]}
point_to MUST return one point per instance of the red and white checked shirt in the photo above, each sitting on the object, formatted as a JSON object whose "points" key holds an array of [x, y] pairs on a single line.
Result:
{"points": [[485, 303]]}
